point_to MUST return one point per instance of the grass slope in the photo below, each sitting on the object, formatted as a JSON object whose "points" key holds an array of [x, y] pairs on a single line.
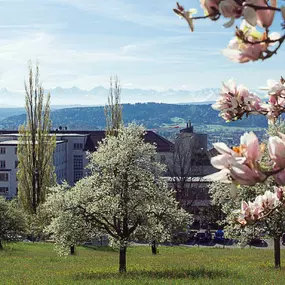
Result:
{"points": [[39, 264]]}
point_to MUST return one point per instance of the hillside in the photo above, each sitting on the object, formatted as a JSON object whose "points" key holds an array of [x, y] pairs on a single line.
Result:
{"points": [[151, 115]]}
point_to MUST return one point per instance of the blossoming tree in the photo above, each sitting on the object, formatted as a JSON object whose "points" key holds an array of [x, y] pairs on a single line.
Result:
{"points": [[253, 39], [12, 221], [245, 164], [124, 197]]}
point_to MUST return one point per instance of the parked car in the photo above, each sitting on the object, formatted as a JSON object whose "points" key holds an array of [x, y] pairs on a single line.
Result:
{"points": [[258, 242], [203, 236]]}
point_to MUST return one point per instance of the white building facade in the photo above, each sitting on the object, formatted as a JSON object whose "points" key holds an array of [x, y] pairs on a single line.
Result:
{"points": [[70, 156]]}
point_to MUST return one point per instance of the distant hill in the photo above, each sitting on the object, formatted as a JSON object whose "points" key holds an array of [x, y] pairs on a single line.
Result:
{"points": [[151, 115]]}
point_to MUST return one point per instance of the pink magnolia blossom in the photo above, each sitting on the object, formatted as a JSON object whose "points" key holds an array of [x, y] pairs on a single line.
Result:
{"points": [[276, 148], [274, 108], [264, 18], [279, 191], [276, 103], [268, 201], [280, 178], [275, 87], [235, 101], [250, 147], [244, 175], [210, 7], [241, 52], [230, 9], [253, 211], [239, 165], [247, 172], [249, 212], [238, 51]]}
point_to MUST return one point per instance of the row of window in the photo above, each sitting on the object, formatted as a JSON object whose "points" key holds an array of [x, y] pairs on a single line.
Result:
{"points": [[3, 164], [60, 147], [77, 146], [58, 160], [78, 174], [3, 176], [3, 150], [61, 174], [78, 162], [4, 190]]}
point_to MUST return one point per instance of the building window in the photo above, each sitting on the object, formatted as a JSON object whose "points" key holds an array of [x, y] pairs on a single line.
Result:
{"points": [[78, 174], [162, 159], [2, 163], [2, 150], [16, 163], [78, 162], [78, 146], [4, 190], [3, 176]]}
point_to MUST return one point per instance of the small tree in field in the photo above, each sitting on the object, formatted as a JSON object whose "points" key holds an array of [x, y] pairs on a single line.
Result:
{"points": [[63, 226], [12, 221], [125, 194]]}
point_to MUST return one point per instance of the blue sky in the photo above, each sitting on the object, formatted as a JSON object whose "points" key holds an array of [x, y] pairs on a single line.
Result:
{"points": [[82, 42]]}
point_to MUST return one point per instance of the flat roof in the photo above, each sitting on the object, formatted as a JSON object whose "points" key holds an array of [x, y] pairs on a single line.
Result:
{"points": [[16, 142], [56, 134]]}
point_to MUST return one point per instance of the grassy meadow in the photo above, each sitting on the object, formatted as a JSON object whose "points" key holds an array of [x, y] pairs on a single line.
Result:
{"points": [[39, 264]]}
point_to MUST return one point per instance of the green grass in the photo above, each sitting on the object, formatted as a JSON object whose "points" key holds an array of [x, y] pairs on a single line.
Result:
{"points": [[38, 264]]}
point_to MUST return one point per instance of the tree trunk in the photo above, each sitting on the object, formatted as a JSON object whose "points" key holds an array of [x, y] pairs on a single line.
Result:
{"points": [[1, 246], [277, 259], [123, 261], [72, 250], [153, 247]]}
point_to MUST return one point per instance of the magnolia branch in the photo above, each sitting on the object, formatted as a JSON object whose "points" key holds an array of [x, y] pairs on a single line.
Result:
{"points": [[270, 53], [256, 7]]}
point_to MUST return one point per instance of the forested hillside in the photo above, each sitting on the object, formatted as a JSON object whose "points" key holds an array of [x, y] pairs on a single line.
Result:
{"points": [[151, 115]]}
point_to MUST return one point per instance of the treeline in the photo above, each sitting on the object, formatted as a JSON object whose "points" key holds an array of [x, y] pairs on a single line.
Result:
{"points": [[151, 115]]}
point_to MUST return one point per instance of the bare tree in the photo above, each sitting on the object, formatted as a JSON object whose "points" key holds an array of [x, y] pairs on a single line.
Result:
{"points": [[186, 170]]}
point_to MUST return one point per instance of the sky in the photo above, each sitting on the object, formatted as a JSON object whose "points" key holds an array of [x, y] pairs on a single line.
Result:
{"points": [[82, 42]]}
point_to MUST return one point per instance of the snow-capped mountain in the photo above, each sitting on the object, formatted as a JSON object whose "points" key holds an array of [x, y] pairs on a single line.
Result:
{"points": [[99, 96]]}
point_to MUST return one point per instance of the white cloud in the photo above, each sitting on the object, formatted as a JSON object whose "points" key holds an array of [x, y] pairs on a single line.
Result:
{"points": [[127, 84], [58, 62], [148, 13]]}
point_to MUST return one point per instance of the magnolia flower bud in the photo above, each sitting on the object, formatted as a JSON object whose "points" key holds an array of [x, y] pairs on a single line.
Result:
{"points": [[283, 12], [250, 15], [239, 33]]}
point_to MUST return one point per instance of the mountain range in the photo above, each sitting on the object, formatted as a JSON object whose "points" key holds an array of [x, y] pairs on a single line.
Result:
{"points": [[64, 97]]}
